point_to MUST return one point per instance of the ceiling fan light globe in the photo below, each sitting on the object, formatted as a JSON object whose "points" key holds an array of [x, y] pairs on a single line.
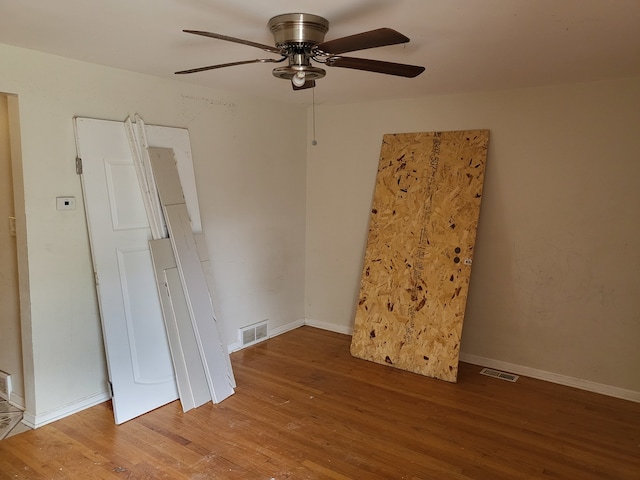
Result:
{"points": [[299, 79]]}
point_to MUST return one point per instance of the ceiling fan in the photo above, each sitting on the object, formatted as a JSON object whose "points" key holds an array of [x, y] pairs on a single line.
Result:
{"points": [[299, 38]]}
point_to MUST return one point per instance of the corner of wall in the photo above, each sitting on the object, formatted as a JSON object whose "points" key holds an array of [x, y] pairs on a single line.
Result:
{"points": [[332, 327]]}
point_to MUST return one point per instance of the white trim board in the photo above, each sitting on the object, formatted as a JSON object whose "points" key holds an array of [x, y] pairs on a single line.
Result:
{"points": [[137, 138], [215, 359], [187, 363], [178, 140]]}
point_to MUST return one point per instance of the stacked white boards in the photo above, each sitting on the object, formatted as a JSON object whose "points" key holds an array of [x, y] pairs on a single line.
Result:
{"points": [[161, 338], [192, 290]]}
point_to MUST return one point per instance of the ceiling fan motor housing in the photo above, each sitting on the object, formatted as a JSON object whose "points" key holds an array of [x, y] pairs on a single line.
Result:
{"points": [[298, 33], [298, 28]]}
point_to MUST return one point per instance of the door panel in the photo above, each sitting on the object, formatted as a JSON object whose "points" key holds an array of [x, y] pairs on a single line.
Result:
{"points": [[138, 356], [150, 363], [123, 194]]}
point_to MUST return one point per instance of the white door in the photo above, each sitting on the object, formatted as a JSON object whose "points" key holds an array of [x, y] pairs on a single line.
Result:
{"points": [[138, 356]]}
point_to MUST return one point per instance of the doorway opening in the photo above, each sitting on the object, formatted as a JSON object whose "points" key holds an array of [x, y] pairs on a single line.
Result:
{"points": [[16, 355]]}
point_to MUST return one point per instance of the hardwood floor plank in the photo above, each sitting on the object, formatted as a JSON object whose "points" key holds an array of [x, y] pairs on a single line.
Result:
{"points": [[325, 416], [305, 409]]}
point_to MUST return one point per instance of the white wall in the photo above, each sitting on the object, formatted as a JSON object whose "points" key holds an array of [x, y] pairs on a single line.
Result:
{"points": [[556, 272], [251, 188]]}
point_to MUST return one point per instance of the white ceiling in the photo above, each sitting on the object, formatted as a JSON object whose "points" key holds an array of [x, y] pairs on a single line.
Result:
{"points": [[466, 45]]}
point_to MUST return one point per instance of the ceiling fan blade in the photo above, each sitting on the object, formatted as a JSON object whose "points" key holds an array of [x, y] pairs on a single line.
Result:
{"points": [[232, 64], [307, 84], [378, 66], [266, 48], [361, 41]]}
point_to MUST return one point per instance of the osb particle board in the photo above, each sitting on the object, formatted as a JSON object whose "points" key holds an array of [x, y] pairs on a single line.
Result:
{"points": [[417, 264]]}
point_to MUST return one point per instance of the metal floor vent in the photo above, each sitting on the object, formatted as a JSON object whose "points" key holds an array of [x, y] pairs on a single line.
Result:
{"points": [[253, 333], [509, 377]]}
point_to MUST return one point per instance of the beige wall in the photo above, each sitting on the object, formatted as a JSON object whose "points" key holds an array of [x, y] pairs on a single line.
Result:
{"points": [[10, 338], [556, 273], [556, 270], [251, 188]]}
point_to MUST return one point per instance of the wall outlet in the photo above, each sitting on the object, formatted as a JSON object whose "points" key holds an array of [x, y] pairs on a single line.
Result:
{"points": [[5, 385]]}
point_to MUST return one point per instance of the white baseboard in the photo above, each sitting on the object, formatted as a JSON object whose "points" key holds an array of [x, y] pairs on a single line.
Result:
{"points": [[286, 328], [552, 377], [41, 419]]}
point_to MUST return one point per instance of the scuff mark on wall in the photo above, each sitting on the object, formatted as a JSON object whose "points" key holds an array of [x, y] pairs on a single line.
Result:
{"points": [[194, 105], [549, 275]]}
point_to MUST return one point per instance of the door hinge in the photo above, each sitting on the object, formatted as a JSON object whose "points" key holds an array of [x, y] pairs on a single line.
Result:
{"points": [[111, 389], [78, 165]]}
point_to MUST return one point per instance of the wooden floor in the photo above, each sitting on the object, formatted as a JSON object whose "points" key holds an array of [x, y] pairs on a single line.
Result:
{"points": [[305, 409]]}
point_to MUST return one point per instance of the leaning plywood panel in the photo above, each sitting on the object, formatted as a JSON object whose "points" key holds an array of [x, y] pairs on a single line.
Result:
{"points": [[212, 351], [417, 263]]}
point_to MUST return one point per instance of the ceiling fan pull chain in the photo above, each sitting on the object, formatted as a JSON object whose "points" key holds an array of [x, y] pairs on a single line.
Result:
{"points": [[313, 115]]}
